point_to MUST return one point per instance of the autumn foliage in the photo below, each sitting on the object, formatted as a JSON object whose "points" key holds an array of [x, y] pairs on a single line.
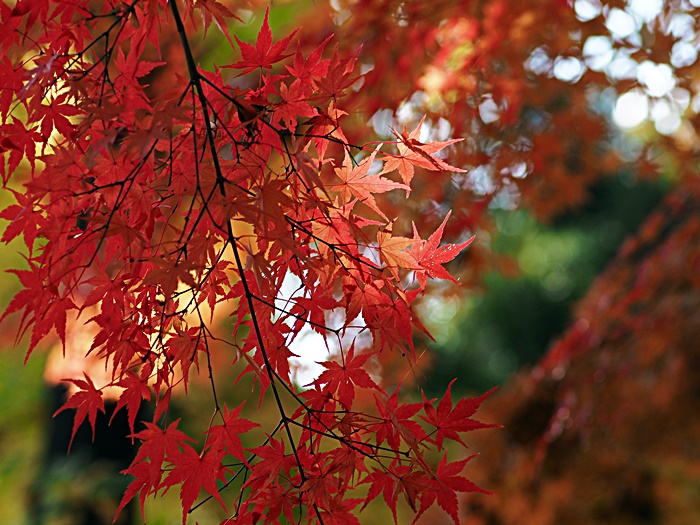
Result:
{"points": [[603, 430], [165, 206]]}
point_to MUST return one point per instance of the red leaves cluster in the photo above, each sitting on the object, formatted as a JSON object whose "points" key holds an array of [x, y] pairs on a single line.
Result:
{"points": [[169, 196]]}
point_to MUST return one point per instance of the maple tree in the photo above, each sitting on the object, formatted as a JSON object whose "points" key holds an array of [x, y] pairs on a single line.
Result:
{"points": [[167, 204], [603, 429], [162, 196]]}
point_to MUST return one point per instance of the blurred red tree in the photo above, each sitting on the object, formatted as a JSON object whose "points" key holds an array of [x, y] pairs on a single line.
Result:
{"points": [[603, 430]]}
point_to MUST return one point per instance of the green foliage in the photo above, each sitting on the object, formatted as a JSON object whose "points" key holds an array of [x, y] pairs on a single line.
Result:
{"points": [[513, 320]]}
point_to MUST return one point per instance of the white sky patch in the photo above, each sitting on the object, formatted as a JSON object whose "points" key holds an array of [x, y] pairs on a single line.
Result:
{"points": [[488, 111], [620, 23], [480, 180], [681, 97], [411, 110], [587, 9], [647, 10], [666, 117], [682, 26], [442, 130], [568, 69], [660, 109], [622, 66], [598, 52], [683, 54], [518, 170], [311, 347], [658, 79], [382, 122], [631, 109], [539, 61]]}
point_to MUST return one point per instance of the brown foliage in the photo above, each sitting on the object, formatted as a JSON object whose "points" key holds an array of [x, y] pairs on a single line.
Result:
{"points": [[605, 429]]}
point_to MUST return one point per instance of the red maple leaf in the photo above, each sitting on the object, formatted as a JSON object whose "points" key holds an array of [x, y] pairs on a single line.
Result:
{"points": [[135, 390], [23, 221], [147, 481], [340, 75], [412, 153], [88, 400], [220, 13], [443, 488], [397, 479], [344, 377], [294, 104], [224, 438], [157, 445], [195, 472], [393, 250], [448, 422], [339, 512], [313, 66], [264, 53], [396, 424], [273, 463], [431, 256], [357, 182]]}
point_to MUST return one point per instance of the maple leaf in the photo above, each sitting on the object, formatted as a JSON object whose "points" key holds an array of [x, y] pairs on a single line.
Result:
{"points": [[220, 13], [393, 250], [272, 502], [339, 512], [224, 438], [397, 424], [340, 75], [448, 422], [314, 66], [157, 444], [430, 256], [358, 183], [146, 482], [23, 220], [21, 142], [195, 472], [263, 54], [325, 126], [343, 378], [182, 350], [273, 463], [444, 486], [88, 400], [412, 153], [56, 115], [168, 275], [295, 104], [394, 481], [359, 295], [135, 390]]}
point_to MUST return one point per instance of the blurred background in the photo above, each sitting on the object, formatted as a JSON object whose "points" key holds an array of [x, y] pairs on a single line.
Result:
{"points": [[579, 297]]}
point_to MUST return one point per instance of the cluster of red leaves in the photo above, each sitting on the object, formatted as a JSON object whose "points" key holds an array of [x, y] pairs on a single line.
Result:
{"points": [[159, 209], [489, 69], [471, 65]]}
